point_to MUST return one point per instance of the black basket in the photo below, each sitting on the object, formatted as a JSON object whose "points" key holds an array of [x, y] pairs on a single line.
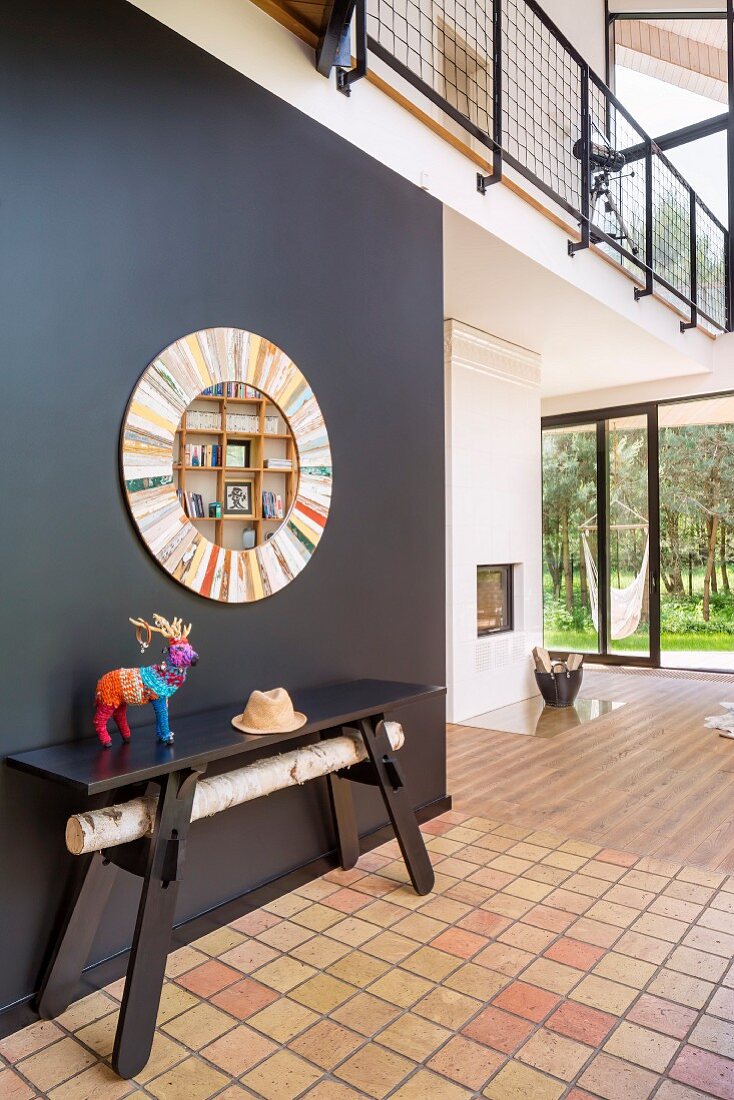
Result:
{"points": [[560, 687]]}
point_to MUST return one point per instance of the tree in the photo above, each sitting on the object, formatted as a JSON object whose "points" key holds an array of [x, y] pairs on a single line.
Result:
{"points": [[676, 456], [671, 233], [697, 488], [569, 494], [722, 558]]}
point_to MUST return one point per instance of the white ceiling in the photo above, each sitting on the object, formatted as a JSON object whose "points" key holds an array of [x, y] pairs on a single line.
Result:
{"points": [[584, 344]]}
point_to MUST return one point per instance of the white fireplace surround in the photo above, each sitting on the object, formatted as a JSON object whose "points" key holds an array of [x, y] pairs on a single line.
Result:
{"points": [[493, 489]]}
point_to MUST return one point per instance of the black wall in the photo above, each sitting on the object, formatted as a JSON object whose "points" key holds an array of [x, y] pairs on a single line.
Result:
{"points": [[146, 190]]}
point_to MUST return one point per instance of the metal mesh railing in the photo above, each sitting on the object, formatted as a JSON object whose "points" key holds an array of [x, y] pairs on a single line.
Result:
{"points": [[504, 73], [617, 214], [541, 102], [711, 265], [445, 50], [671, 229]]}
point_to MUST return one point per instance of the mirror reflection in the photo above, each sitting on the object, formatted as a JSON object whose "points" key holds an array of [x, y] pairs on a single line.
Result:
{"points": [[235, 465]]}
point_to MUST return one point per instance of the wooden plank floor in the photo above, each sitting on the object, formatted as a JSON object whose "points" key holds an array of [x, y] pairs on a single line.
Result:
{"points": [[648, 777]]}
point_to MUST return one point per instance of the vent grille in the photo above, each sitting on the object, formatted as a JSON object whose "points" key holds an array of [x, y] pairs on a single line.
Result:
{"points": [[500, 651]]}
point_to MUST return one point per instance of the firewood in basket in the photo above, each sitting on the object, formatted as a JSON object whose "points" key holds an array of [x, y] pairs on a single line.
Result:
{"points": [[542, 659]]}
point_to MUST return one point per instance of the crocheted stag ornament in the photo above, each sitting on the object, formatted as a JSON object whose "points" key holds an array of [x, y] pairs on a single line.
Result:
{"points": [[153, 684]]}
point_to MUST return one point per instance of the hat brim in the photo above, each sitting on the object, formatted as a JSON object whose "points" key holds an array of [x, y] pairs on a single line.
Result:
{"points": [[298, 721]]}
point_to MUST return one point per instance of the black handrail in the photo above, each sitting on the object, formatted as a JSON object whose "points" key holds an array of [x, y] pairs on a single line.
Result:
{"points": [[570, 187]]}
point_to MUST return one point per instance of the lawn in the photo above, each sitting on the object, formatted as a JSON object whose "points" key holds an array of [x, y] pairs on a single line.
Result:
{"points": [[586, 641], [682, 624]]}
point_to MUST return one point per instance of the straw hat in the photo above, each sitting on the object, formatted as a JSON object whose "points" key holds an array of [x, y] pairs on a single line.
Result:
{"points": [[269, 712]]}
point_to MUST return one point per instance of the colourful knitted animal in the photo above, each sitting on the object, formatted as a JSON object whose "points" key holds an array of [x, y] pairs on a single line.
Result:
{"points": [[153, 684]]}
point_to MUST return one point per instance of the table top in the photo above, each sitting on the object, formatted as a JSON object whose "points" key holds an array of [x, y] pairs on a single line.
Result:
{"points": [[203, 738]]}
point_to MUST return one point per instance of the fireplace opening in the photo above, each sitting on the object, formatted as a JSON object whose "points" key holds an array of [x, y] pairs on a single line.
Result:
{"points": [[494, 599]]}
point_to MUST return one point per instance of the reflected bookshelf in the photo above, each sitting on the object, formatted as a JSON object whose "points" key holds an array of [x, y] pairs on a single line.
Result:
{"points": [[233, 448]]}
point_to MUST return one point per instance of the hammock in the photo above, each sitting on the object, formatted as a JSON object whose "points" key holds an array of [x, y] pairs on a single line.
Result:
{"points": [[625, 603]]}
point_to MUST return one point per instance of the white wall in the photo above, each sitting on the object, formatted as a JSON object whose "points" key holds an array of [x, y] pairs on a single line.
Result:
{"points": [[493, 492], [582, 22]]}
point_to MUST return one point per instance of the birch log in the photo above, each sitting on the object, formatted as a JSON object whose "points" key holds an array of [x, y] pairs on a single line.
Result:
{"points": [[98, 829]]}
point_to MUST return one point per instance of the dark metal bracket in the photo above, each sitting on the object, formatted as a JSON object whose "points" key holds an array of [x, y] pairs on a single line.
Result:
{"points": [[345, 77], [335, 51], [328, 51], [485, 182], [579, 246]]}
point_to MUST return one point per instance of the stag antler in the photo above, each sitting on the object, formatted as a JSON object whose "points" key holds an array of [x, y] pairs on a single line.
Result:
{"points": [[175, 630]]}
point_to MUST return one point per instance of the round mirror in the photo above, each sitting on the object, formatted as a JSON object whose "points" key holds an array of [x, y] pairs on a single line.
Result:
{"points": [[226, 465]]}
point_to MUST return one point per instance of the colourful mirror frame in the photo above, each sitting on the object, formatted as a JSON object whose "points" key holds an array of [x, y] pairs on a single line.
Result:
{"points": [[166, 388]]}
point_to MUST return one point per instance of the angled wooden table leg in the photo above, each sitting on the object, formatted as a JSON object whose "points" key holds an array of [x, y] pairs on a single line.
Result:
{"points": [[152, 939], [391, 782], [342, 812], [345, 821], [91, 892]]}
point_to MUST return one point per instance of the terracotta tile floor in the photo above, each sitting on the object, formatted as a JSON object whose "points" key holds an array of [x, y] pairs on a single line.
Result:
{"points": [[541, 967]]}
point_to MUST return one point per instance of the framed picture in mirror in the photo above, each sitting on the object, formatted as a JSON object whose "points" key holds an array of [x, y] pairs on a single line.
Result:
{"points": [[239, 497]]}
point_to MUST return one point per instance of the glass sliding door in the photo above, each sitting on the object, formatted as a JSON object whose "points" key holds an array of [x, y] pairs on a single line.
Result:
{"points": [[696, 443], [627, 536], [570, 541], [599, 536], [638, 533]]}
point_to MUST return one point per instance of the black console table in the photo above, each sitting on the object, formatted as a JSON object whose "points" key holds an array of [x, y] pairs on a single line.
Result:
{"points": [[115, 775]]}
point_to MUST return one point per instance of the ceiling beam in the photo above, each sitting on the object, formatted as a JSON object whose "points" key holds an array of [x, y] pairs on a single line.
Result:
{"points": [[693, 132], [675, 138]]}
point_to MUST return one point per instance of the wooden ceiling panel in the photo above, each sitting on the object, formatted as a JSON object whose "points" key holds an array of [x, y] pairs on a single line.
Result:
{"points": [[685, 52], [309, 12]]}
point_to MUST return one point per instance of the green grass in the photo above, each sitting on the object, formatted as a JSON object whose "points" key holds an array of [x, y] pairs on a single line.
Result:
{"points": [[586, 641], [705, 643]]}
